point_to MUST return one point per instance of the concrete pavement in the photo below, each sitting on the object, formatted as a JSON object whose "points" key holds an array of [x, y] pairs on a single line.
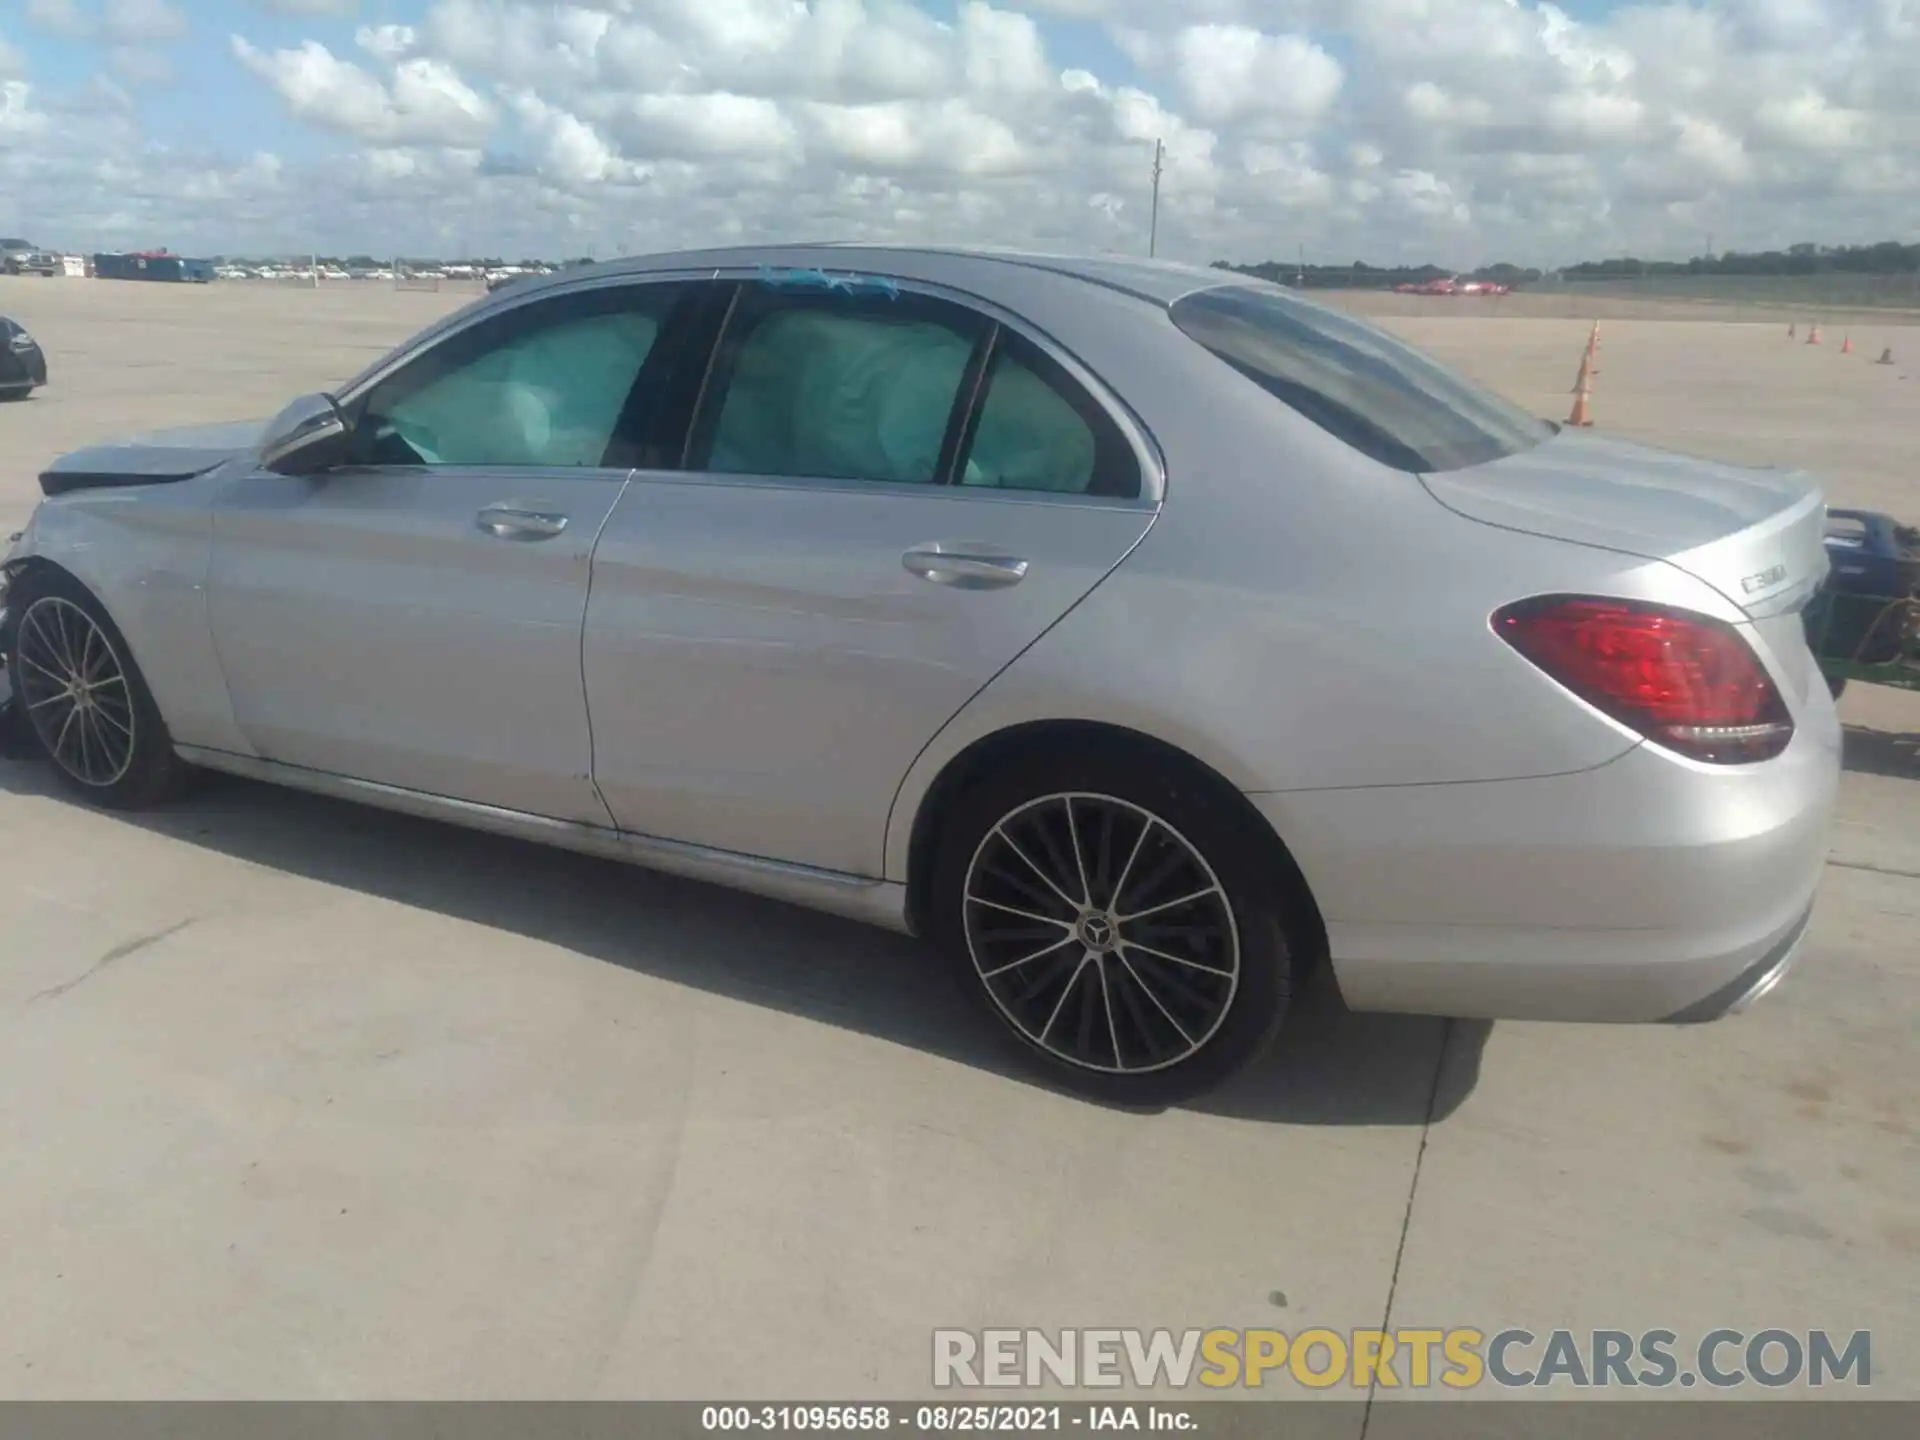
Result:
{"points": [[304, 1100]]}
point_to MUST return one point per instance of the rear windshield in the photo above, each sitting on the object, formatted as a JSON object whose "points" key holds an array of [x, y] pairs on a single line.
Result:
{"points": [[1378, 394]]}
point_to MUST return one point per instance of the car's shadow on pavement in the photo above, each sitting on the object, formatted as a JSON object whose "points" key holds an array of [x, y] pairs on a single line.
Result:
{"points": [[1332, 1067], [1882, 752]]}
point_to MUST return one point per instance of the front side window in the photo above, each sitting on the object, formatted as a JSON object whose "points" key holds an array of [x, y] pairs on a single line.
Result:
{"points": [[543, 386], [1378, 394]]}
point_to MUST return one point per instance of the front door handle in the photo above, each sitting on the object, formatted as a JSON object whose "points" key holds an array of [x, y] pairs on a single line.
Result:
{"points": [[510, 522], [965, 567]]}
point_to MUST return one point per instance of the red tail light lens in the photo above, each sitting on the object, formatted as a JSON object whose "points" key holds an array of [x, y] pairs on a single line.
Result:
{"points": [[1685, 681]]}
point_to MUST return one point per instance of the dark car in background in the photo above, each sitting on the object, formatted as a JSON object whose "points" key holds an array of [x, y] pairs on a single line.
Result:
{"points": [[23, 365]]}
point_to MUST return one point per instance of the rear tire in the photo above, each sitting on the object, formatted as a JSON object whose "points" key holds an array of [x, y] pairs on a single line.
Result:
{"points": [[81, 698], [1114, 915]]}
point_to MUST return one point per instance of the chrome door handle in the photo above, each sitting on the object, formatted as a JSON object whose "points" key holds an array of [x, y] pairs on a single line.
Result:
{"points": [[965, 567], [510, 522]]}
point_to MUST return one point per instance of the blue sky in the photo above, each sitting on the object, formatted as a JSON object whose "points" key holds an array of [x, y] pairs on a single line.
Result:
{"points": [[1457, 130], [213, 102]]}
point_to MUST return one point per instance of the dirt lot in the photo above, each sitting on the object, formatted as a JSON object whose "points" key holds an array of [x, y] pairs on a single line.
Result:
{"points": [[298, 1099]]}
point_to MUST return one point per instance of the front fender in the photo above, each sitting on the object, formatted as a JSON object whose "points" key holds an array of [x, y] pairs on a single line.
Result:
{"points": [[144, 554], [18, 556]]}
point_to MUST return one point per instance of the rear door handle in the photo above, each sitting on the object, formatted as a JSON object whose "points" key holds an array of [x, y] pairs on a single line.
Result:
{"points": [[511, 522], [965, 567]]}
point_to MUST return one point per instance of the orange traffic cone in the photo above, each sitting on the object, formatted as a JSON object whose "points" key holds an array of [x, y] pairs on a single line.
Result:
{"points": [[1813, 335], [1583, 391], [1846, 344], [1886, 356]]}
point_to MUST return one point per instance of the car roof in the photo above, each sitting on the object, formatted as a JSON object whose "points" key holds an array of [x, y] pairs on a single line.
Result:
{"points": [[992, 274], [1159, 281]]}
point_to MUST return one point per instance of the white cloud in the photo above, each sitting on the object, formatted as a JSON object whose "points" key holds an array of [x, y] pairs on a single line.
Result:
{"points": [[1457, 130], [711, 124], [389, 42], [142, 22], [1807, 121], [1710, 150], [1231, 73], [424, 102], [18, 117], [116, 22], [1002, 52], [307, 7], [573, 151], [62, 17]]}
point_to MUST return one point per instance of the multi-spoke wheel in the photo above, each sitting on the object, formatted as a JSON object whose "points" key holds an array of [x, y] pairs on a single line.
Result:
{"points": [[74, 692], [1101, 933], [1118, 923], [84, 700]]}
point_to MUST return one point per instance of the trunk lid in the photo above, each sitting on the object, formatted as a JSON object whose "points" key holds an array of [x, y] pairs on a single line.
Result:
{"points": [[159, 458], [1758, 536]]}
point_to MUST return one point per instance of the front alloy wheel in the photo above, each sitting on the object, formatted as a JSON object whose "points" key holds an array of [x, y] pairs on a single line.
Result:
{"points": [[84, 703], [75, 693]]}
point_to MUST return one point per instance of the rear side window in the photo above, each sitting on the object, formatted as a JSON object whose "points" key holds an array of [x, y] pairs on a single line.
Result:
{"points": [[903, 389], [837, 387], [1035, 428], [1376, 393]]}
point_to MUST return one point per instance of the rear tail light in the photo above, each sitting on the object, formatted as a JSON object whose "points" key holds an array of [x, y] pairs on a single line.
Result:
{"points": [[1688, 682]]}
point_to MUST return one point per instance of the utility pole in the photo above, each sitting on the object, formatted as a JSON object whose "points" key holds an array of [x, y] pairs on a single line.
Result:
{"points": [[1153, 215]]}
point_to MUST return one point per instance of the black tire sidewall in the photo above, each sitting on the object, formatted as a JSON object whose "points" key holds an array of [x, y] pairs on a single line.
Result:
{"points": [[155, 771], [1193, 805]]}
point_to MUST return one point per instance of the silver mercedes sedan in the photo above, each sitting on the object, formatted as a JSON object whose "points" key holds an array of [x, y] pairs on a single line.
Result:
{"points": [[1142, 636]]}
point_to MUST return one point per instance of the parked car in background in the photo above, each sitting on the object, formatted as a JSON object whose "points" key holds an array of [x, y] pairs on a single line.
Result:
{"points": [[23, 365], [43, 263], [1143, 637], [14, 253]]}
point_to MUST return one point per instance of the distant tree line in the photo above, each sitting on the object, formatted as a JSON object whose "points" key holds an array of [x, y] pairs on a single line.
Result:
{"points": [[1889, 257], [370, 262], [1362, 276]]}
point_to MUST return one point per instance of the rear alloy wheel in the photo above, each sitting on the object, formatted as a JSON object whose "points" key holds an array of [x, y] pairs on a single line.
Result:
{"points": [[1102, 935], [1121, 932], [84, 700]]}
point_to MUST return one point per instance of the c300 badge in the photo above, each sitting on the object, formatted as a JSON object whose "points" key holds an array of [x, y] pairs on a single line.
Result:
{"points": [[1765, 580]]}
